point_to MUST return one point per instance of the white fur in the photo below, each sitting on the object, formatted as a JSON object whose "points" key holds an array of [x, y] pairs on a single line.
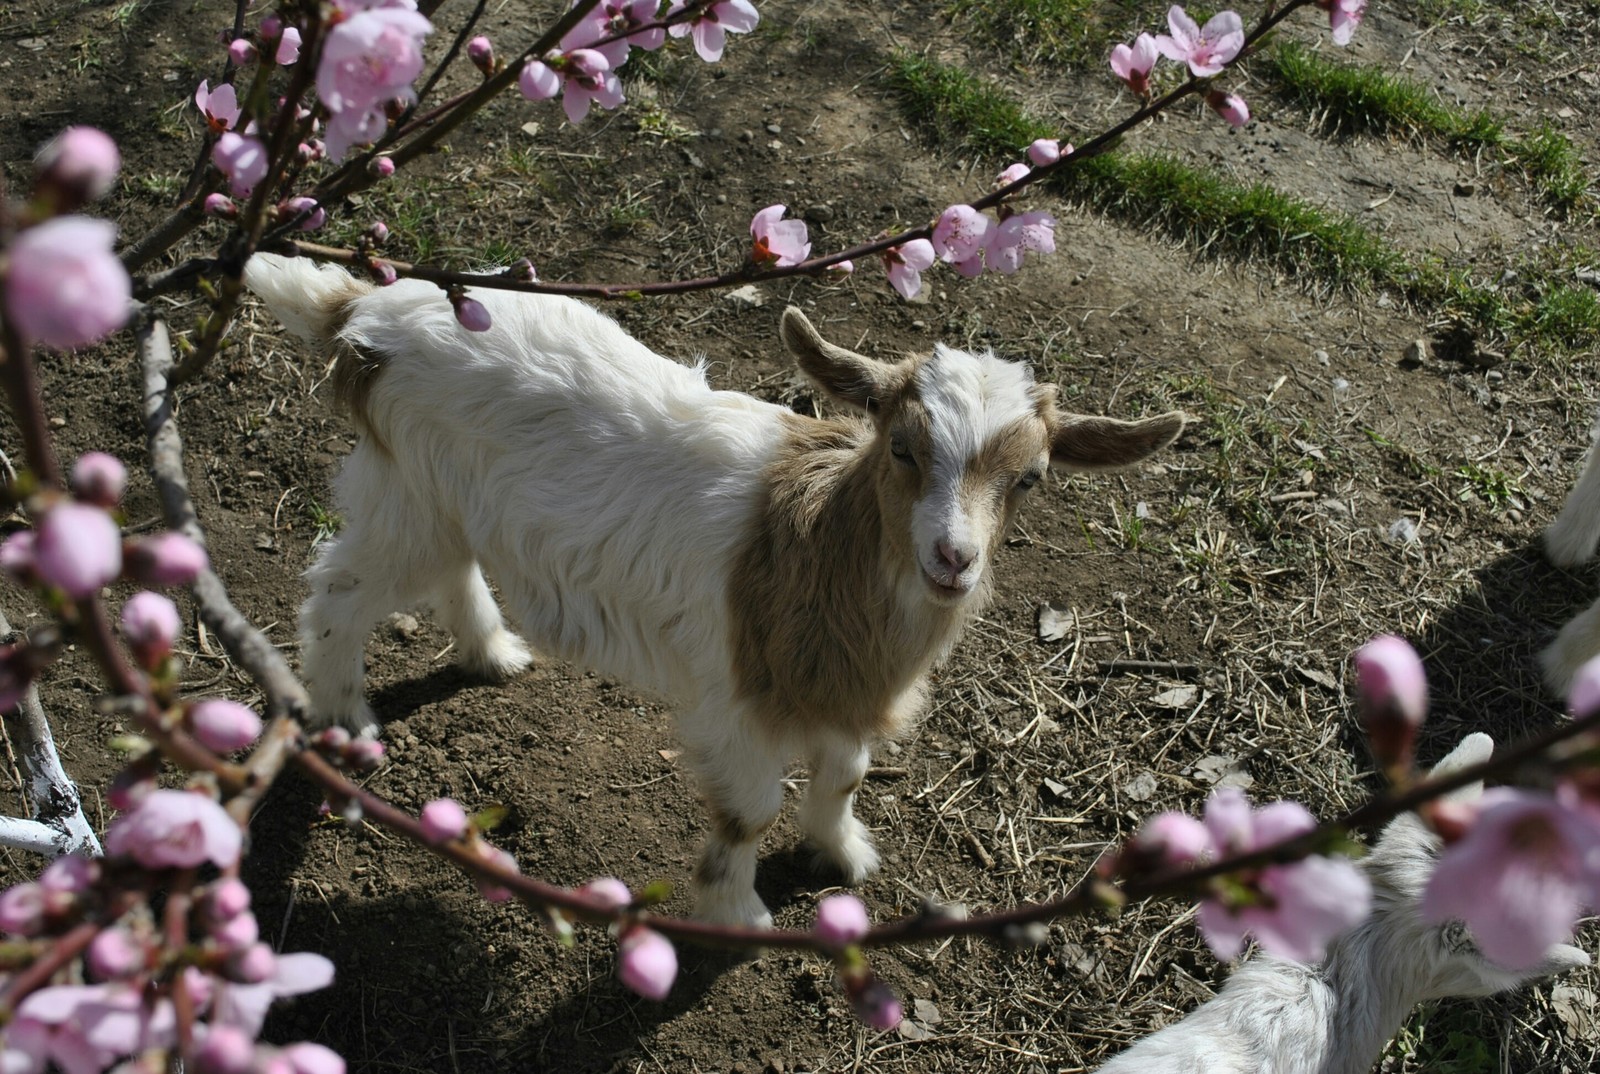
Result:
{"points": [[1278, 1017], [609, 491], [1570, 542]]}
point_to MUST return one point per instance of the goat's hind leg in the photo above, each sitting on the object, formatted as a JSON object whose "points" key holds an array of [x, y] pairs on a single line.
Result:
{"points": [[1571, 538], [1578, 642], [353, 585], [837, 769], [467, 609]]}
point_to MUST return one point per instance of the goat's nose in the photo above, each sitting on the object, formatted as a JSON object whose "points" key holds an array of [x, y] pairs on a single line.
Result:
{"points": [[954, 558]]}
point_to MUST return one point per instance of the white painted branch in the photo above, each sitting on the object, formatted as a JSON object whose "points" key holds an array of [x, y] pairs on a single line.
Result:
{"points": [[57, 809]]}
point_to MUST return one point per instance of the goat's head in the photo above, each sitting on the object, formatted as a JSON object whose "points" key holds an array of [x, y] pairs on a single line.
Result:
{"points": [[961, 439], [1440, 959]]}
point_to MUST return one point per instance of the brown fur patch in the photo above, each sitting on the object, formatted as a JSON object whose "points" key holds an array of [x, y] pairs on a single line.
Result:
{"points": [[355, 369]]}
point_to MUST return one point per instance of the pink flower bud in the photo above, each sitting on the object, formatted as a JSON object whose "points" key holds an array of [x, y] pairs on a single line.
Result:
{"points": [[491, 891], [78, 165], [99, 479], [242, 158], [253, 965], [167, 558], [22, 909], [538, 82], [221, 206], [241, 51], [841, 919], [271, 27], [228, 898], [65, 287], [331, 740], [378, 232], [150, 623], [288, 46], [1174, 840], [315, 217], [222, 725], [647, 963], [839, 270], [226, 1050], [1044, 151], [364, 753], [1230, 106], [238, 932], [17, 557], [384, 273], [113, 955], [1392, 697], [443, 819], [308, 1058], [72, 875], [77, 549], [523, 270], [876, 1004], [608, 891], [481, 53], [383, 167], [1012, 174], [472, 314]]}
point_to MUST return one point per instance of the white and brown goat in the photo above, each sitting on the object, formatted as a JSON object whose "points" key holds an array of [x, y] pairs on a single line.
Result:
{"points": [[789, 581], [1280, 1017]]}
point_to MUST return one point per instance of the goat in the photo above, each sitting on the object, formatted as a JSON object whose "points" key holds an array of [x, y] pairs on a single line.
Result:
{"points": [[789, 580], [1570, 542], [1280, 1017]]}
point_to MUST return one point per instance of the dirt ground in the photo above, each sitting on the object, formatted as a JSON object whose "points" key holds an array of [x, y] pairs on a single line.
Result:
{"points": [[1332, 488]]}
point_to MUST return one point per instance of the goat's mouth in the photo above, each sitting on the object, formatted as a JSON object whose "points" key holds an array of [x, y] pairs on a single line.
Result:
{"points": [[950, 592]]}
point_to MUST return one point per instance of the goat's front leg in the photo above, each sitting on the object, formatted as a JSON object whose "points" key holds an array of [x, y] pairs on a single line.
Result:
{"points": [[1578, 641], [837, 769], [1572, 537], [742, 777]]}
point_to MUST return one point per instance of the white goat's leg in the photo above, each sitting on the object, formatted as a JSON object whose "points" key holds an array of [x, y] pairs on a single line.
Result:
{"points": [[837, 769], [1577, 643], [467, 609], [352, 587], [742, 778], [1572, 537]]}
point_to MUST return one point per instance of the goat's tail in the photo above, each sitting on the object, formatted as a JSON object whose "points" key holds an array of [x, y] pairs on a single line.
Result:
{"points": [[310, 299]]}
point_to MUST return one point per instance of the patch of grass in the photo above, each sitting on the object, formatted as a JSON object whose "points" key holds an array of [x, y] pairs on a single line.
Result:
{"points": [[325, 524], [1064, 32], [1440, 10], [1359, 97], [655, 122], [957, 106], [1494, 487]]}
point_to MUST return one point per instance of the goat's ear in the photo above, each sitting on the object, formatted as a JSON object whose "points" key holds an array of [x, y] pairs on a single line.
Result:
{"points": [[848, 377], [1081, 442], [1474, 749]]}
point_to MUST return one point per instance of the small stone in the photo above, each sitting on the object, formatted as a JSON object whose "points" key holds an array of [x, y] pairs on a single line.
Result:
{"points": [[774, 128], [749, 296], [1417, 353], [1140, 788], [1321, 357], [404, 626]]}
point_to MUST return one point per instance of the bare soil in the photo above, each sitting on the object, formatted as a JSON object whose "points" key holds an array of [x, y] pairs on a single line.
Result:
{"points": [[1267, 545]]}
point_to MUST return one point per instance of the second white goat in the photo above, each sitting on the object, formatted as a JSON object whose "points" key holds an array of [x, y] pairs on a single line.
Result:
{"points": [[789, 580]]}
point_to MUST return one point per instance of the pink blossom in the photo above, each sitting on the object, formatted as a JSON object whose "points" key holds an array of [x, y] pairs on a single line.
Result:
{"points": [[778, 242], [1522, 875], [711, 26], [220, 106], [1045, 151], [17, 557], [77, 549], [241, 51], [1293, 910], [905, 264], [960, 232], [243, 159], [113, 955], [84, 1029], [1230, 106], [839, 270], [22, 909], [170, 829], [1343, 17], [72, 874], [618, 19], [609, 891], [65, 288], [99, 478], [226, 1050], [309, 1058], [1175, 840], [1014, 173], [227, 899], [875, 1003], [1207, 50], [1133, 65], [288, 46], [224, 725], [167, 558], [588, 77], [364, 754], [480, 50], [472, 314], [238, 933], [252, 962], [1392, 696], [491, 891], [443, 819], [369, 59], [150, 624], [1018, 234], [383, 167], [78, 165], [220, 205], [647, 963], [841, 919], [245, 1005], [315, 216], [538, 82]]}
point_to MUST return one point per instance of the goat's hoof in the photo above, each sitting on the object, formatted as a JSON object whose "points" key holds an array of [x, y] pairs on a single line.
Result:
{"points": [[733, 908], [504, 656], [854, 856], [1568, 546]]}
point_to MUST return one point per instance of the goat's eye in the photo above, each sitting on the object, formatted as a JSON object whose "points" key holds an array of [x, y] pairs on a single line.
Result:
{"points": [[901, 450], [1028, 480]]}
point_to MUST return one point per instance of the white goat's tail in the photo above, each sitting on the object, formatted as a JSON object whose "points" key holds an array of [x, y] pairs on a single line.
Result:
{"points": [[308, 298]]}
